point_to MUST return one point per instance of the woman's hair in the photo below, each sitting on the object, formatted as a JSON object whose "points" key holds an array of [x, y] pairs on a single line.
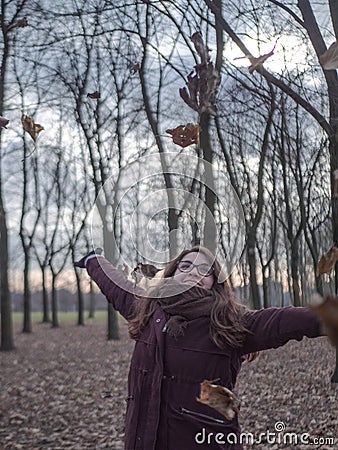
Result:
{"points": [[227, 315]]}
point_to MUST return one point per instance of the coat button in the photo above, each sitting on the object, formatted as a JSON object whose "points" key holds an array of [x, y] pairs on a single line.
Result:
{"points": [[158, 320]]}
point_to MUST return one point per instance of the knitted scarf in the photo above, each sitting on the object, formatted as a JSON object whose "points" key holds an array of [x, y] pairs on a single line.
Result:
{"points": [[185, 306]]}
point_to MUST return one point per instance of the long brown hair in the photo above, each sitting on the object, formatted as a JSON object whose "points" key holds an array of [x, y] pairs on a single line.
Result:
{"points": [[227, 315]]}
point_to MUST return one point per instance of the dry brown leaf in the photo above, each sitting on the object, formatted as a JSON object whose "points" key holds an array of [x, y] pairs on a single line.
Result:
{"points": [[31, 127], [185, 135], [220, 398], [203, 81], [3, 122], [329, 59], [327, 261], [94, 95], [135, 68], [200, 47], [147, 276], [258, 62], [145, 270], [21, 23], [327, 310]]}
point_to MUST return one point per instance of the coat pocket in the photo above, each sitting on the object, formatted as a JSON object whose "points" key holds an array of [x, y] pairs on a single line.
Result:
{"points": [[201, 417]]}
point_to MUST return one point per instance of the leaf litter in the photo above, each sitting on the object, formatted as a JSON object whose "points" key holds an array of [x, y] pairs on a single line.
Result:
{"points": [[65, 388]]}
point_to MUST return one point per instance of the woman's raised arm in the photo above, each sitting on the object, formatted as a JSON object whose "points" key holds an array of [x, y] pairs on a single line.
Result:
{"points": [[113, 284], [274, 327]]}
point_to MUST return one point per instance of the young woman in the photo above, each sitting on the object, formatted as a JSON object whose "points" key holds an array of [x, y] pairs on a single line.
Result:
{"points": [[189, 329]]}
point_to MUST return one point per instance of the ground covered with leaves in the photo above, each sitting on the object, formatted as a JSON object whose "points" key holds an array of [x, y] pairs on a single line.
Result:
{"points": [[65, 388]]}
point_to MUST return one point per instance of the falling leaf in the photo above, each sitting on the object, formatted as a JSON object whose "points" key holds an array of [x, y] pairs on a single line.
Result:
{"points": [[147, 276], [260, 60], [21, 23], [327, 261], [135, 68], [185, 135], [190, 95], [327, 310], [329, 59], [3, 122], [31, 127], [220, 398], [145, 270], [203, 81], [94, 95], [200, 47], [335, 184]]}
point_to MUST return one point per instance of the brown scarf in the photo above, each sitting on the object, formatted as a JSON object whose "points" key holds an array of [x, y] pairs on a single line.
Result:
{"points": [[184, 306]]}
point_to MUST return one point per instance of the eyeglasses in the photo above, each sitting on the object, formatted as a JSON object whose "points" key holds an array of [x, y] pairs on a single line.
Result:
{"points": [[203, 269]]}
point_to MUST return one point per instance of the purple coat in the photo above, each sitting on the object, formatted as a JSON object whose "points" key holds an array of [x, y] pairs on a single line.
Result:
{"points": [[165, 373]]}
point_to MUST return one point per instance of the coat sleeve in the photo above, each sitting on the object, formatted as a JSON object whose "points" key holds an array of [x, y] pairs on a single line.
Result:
{"points": [[274, 327], [119, 291]]}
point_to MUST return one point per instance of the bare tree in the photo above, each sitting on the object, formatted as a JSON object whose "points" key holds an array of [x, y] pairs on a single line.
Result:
{"points": [[9, 20], [30, 188], [97, 82], [59, 249], [310, 25]]}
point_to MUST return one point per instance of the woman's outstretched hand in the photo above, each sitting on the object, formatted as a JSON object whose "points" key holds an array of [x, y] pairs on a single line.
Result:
{"points": [[327, 310], [83, 261]]}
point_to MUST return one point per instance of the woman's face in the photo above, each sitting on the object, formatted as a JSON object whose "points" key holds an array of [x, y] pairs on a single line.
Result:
{"points": [[188, 273]]}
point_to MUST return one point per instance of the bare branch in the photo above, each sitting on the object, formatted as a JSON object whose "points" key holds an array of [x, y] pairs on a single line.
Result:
{"points": [[289, 11], [268, 76]]}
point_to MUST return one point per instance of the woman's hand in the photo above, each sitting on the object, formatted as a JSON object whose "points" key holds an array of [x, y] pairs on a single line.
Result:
{"points": [[327, 310]]}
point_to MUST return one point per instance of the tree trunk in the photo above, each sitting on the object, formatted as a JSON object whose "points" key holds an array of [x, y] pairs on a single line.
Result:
{"points": [[210, 231], [91, 312], [45, 307], [172, 212], [7, 342], [55, 320], [113, 324], [295, 273], [173, 226], [334, 378], [312, 245], [196, 240], [266, 297], [254, 291], [290, 291], [27, 316], [80, 309], [110, 249]]}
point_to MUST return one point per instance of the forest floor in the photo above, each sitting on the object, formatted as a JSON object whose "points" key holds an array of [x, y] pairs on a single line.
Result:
{"points": [[54, 386]]}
